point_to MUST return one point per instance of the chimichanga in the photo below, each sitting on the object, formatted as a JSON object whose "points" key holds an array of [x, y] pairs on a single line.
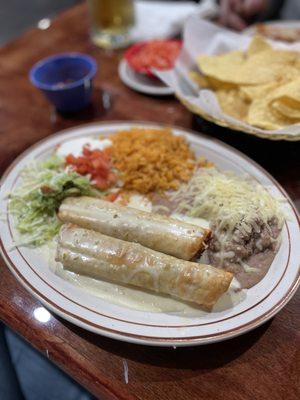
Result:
{"points": [[157, 232], [90, 253]]}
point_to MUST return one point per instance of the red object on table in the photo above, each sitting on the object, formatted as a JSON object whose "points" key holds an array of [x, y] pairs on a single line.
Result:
{"points": [[157, 54], [263, 364]]}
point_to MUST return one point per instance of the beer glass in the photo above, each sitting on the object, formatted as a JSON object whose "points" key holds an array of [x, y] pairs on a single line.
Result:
{"points": [[111, 22]]}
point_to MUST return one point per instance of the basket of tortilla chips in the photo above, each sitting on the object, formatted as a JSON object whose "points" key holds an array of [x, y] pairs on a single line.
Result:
{"points": [[248, 84]]}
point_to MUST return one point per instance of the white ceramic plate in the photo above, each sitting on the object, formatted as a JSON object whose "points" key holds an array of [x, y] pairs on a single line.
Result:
{"points": [[142, 83], [280, 24], [155, 328]]}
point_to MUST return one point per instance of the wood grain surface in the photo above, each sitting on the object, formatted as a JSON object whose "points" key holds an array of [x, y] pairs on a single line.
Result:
{"points": [[263, 364]]}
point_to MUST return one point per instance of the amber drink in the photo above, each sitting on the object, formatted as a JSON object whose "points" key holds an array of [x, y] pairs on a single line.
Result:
{"points": [[111, 22]]}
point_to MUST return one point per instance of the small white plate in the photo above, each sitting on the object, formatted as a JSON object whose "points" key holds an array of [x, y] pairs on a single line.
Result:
{"points": [[142, 83], [294, 24], [161, 328]]}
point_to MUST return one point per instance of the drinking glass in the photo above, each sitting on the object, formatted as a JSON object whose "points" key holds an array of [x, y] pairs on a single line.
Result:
{"points": [[111, 22]]}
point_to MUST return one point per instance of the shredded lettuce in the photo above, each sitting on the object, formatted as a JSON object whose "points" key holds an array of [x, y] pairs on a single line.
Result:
{"points": [[35, 203]]}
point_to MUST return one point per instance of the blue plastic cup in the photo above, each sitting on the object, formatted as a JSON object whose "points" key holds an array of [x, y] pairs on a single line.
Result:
{"points": [[66, 80]]}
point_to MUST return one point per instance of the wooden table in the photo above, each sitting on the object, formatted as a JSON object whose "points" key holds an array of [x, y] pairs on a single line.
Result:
{"points": [[263, 364]]}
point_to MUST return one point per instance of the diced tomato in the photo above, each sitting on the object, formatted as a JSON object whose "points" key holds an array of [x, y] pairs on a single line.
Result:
{"points": [[101, 173], [86, 151], [112, 177], [101, 183], [70, 159], [97, 164], [159, 54], [112, 196], [82, 169]]}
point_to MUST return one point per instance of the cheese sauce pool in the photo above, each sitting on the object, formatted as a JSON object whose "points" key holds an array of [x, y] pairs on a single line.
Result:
{"points": [[145, 301], [135, 298]]}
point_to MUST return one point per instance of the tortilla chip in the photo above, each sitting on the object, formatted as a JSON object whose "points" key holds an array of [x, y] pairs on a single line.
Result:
{"points": [[233, 103], [258, 43], [290, 73], [235, 69], [221, 67], [290, 90], [233, 58], [297, 64], [272, 57], [287, 108], [199, 79], [260, 86], [268, 66], [205, 82], [261, 115], [215, 84], [253, 92]]}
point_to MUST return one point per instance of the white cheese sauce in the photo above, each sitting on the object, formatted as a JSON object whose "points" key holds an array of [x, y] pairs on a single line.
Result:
{"points": [[136, 298], [191, 220], [75, 146], [139, 202], [141, 300], [133, 298]]}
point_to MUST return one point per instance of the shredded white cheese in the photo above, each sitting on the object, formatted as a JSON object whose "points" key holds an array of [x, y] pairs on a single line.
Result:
{"points": [[234, 201], [232, 204]]}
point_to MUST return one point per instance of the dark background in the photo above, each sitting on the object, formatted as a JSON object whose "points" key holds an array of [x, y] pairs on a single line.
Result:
{"points": [[18, 15]]}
